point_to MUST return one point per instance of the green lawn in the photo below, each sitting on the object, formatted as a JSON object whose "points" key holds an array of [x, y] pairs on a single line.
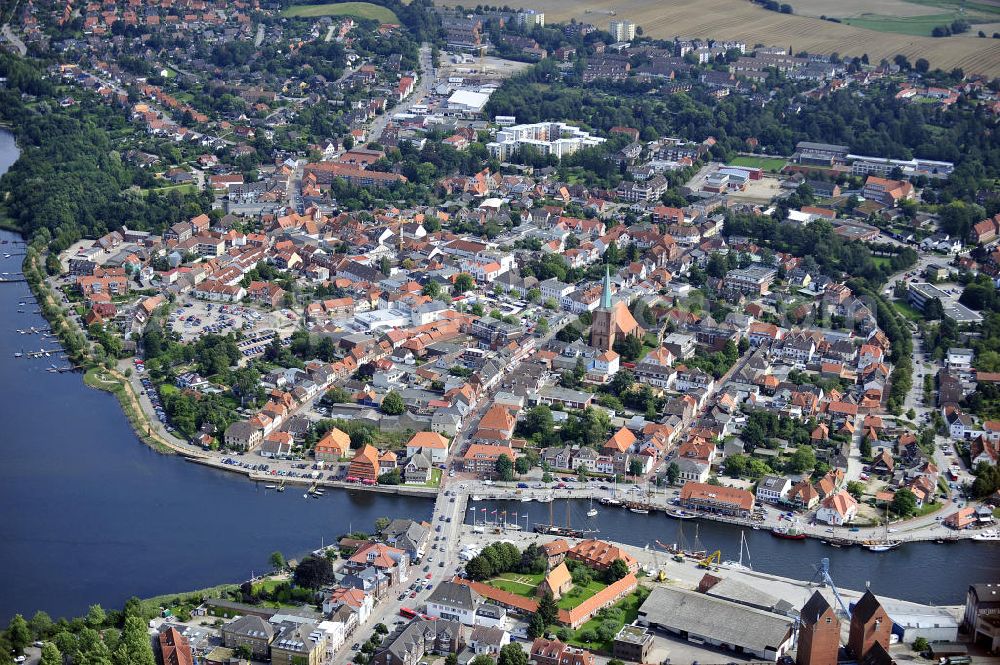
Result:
{"points": [[917, 26], [773, 164], [907, 310], [578, 594], [623, 612], [521, 584], [183, 188], [362, 10]]}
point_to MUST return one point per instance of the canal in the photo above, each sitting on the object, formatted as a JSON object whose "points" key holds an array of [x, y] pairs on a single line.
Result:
{"points": [[919, 572]]}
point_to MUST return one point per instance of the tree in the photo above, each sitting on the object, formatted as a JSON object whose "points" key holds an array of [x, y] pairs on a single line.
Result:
{"points": [[802, 459], [855, 489], [96, 616], [673, 473], [392, 404], [904, 503], [866, 448], [432, 289], [382, 523], [616, 571], [313, 572], [278, 560], [635, 467], [51, 655], [464, 282], [381, 629], [18, 634], [483, 659], [244, 652], [921, 65], [536, 626], [478, 568], [522, 465], [134, 647], [921, 645], [505, 468], [337, 395], [40, 625], [512, 654], [547, 608]]}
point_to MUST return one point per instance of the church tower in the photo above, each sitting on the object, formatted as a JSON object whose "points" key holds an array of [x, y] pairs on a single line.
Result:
{"points": [[602, 330]]}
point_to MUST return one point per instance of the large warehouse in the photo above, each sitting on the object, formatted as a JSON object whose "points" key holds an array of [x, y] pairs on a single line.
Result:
{"points": [[701, 619]]}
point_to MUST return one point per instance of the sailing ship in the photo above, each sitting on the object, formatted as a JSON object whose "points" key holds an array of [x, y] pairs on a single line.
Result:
{"points": [[554, 529], [739, 565], [593, 511], [885, 544]]}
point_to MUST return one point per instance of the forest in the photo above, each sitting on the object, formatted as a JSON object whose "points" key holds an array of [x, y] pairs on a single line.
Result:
{"points": [[70, 182]]}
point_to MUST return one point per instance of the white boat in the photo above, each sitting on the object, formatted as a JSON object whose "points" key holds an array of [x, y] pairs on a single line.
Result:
{"points": [[475, 497], [739, 565], [526, 499], [545, 499], [270, 487], [989, 534], [639, 511], [593, 511]]}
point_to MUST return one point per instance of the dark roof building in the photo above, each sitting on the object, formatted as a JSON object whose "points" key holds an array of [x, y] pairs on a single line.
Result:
{"points": [[869, 625]]}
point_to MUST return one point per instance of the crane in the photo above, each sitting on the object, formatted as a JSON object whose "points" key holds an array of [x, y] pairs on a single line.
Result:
{"points": [[715, 556], [658, 573], [823, 576]]}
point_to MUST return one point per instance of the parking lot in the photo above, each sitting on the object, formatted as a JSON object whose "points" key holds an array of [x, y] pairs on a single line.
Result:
{"points": [[196, 318]]}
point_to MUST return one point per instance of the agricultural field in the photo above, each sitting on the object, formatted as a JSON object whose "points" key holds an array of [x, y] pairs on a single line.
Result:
{"points": [[362, 10], [741, 19], [772, 164]]}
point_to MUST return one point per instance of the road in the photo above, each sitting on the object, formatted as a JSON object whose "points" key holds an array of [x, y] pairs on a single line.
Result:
{"points": [[294, 188], [423, 87], [9, 35]]}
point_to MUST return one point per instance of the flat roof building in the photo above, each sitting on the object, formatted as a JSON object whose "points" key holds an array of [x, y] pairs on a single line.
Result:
{"points": [[719, 623]]}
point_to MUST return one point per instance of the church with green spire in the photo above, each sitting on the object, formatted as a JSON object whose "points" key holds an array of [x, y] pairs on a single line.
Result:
{"points": [[611, 320]]}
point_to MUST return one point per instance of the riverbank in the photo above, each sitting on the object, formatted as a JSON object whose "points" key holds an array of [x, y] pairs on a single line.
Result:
{"points": [[260, 476]]}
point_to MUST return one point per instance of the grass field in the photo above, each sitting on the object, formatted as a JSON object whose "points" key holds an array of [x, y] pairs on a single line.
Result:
{"points": [[772, 164], [363, 10], [578, 594], [918, 26], [183, 188], [628, 612], [521, 584], [741, 19]]}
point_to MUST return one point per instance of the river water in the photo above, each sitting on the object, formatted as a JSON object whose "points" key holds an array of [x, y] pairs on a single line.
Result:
{"points": [[919, 572], [91, 515]]}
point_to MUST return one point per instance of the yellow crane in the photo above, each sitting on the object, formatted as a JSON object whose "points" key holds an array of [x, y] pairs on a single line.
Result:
{"points": [[715, 556]]}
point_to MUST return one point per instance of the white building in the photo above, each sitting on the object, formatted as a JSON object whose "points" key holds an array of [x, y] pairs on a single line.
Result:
{"points": [[531, 18], [549, 138], [622, 31], [772, 489], [467, 102], [453, 602]]}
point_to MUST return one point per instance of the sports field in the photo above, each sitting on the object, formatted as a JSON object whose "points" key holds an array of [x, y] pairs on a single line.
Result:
{"points": [[772, 164], [744, 20], [363, 10]]}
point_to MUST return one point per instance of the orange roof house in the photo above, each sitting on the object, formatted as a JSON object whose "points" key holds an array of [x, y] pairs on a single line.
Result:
{"points": [[365, 464], [599, 555], [557, 582], [334, 445], [620, 442]]}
